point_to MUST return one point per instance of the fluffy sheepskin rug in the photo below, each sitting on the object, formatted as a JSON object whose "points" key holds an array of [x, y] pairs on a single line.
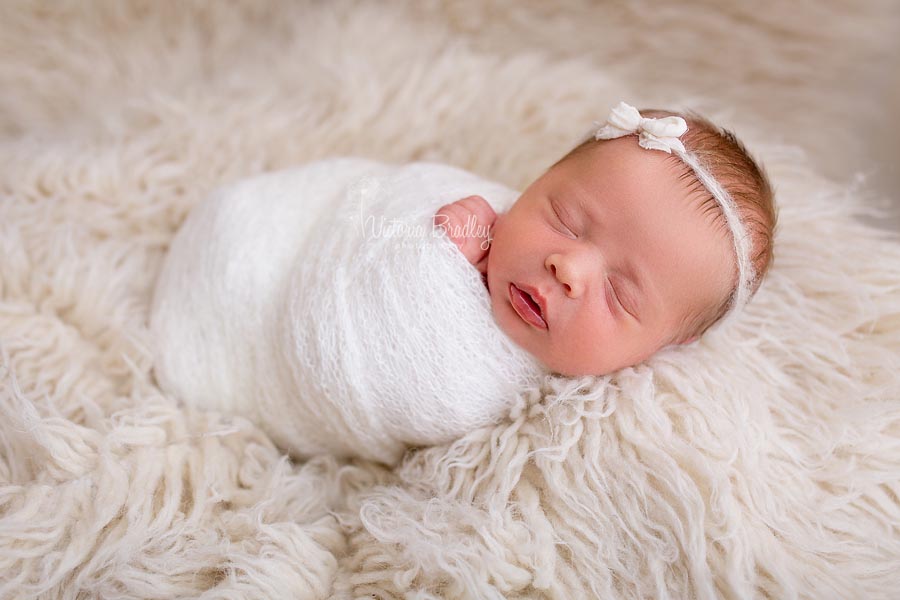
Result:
{"points": [[762, 462]]}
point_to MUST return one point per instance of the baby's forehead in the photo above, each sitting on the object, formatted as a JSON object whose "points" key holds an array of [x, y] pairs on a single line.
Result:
{"points": [[623, 158], [652, 195], [620, 169]]}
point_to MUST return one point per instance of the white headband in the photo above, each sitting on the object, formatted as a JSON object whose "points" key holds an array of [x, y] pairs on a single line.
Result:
{"points": [[663, 134]]}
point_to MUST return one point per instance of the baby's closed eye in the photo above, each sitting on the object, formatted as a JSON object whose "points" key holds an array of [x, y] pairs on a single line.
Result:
{"points": [[562, 218]]}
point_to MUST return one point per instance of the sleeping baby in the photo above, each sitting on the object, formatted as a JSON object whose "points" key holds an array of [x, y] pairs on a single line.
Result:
{"points": [[616, 252], [359, 308]]}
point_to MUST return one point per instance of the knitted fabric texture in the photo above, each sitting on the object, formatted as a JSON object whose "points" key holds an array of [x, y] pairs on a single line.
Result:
{"points": [[321, 303]]}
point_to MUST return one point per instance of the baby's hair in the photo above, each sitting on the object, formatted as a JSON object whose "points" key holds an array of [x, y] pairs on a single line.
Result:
{"points": [[726, 159]]}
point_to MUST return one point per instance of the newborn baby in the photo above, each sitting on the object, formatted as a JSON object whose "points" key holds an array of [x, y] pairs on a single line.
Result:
{"points": [[618, 251], [316, 302]]}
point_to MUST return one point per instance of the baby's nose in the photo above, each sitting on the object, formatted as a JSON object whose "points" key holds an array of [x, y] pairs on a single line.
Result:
{"points": [[565, 285], [562, 270]]}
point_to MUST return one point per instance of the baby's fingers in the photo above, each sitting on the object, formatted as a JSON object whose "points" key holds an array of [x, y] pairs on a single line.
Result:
{"points": [[483, 211], [456, 220], [468, 223], [470, 218], [450, 218]]}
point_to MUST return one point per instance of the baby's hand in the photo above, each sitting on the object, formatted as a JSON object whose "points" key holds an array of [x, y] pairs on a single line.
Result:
{"points": [[468, 222]]}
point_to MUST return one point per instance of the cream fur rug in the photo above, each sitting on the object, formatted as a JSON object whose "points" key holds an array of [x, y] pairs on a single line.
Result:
{"points": [[763, 463]]}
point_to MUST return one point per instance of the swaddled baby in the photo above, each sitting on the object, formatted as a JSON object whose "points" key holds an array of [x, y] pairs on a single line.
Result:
{"points": [[358, 308]]}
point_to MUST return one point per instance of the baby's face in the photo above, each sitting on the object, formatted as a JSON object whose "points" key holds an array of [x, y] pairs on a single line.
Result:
{"points": [[611, 239]]}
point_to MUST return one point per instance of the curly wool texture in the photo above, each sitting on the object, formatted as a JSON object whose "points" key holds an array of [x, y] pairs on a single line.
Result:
{"points": [[322, 304]]}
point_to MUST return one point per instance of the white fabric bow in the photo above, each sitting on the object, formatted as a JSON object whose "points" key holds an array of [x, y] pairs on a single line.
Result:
{"points": [[655, 134]]}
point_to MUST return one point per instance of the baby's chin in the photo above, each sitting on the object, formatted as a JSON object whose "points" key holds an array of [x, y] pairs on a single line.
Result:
{"points": [[600, 366], [578, 369]]}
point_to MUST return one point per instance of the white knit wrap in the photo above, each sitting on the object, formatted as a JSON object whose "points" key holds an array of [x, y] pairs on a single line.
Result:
{"points": [[321, 303]]}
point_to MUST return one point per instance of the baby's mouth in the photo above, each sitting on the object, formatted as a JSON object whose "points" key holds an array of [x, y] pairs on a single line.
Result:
{"points": [[525, 306]]}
